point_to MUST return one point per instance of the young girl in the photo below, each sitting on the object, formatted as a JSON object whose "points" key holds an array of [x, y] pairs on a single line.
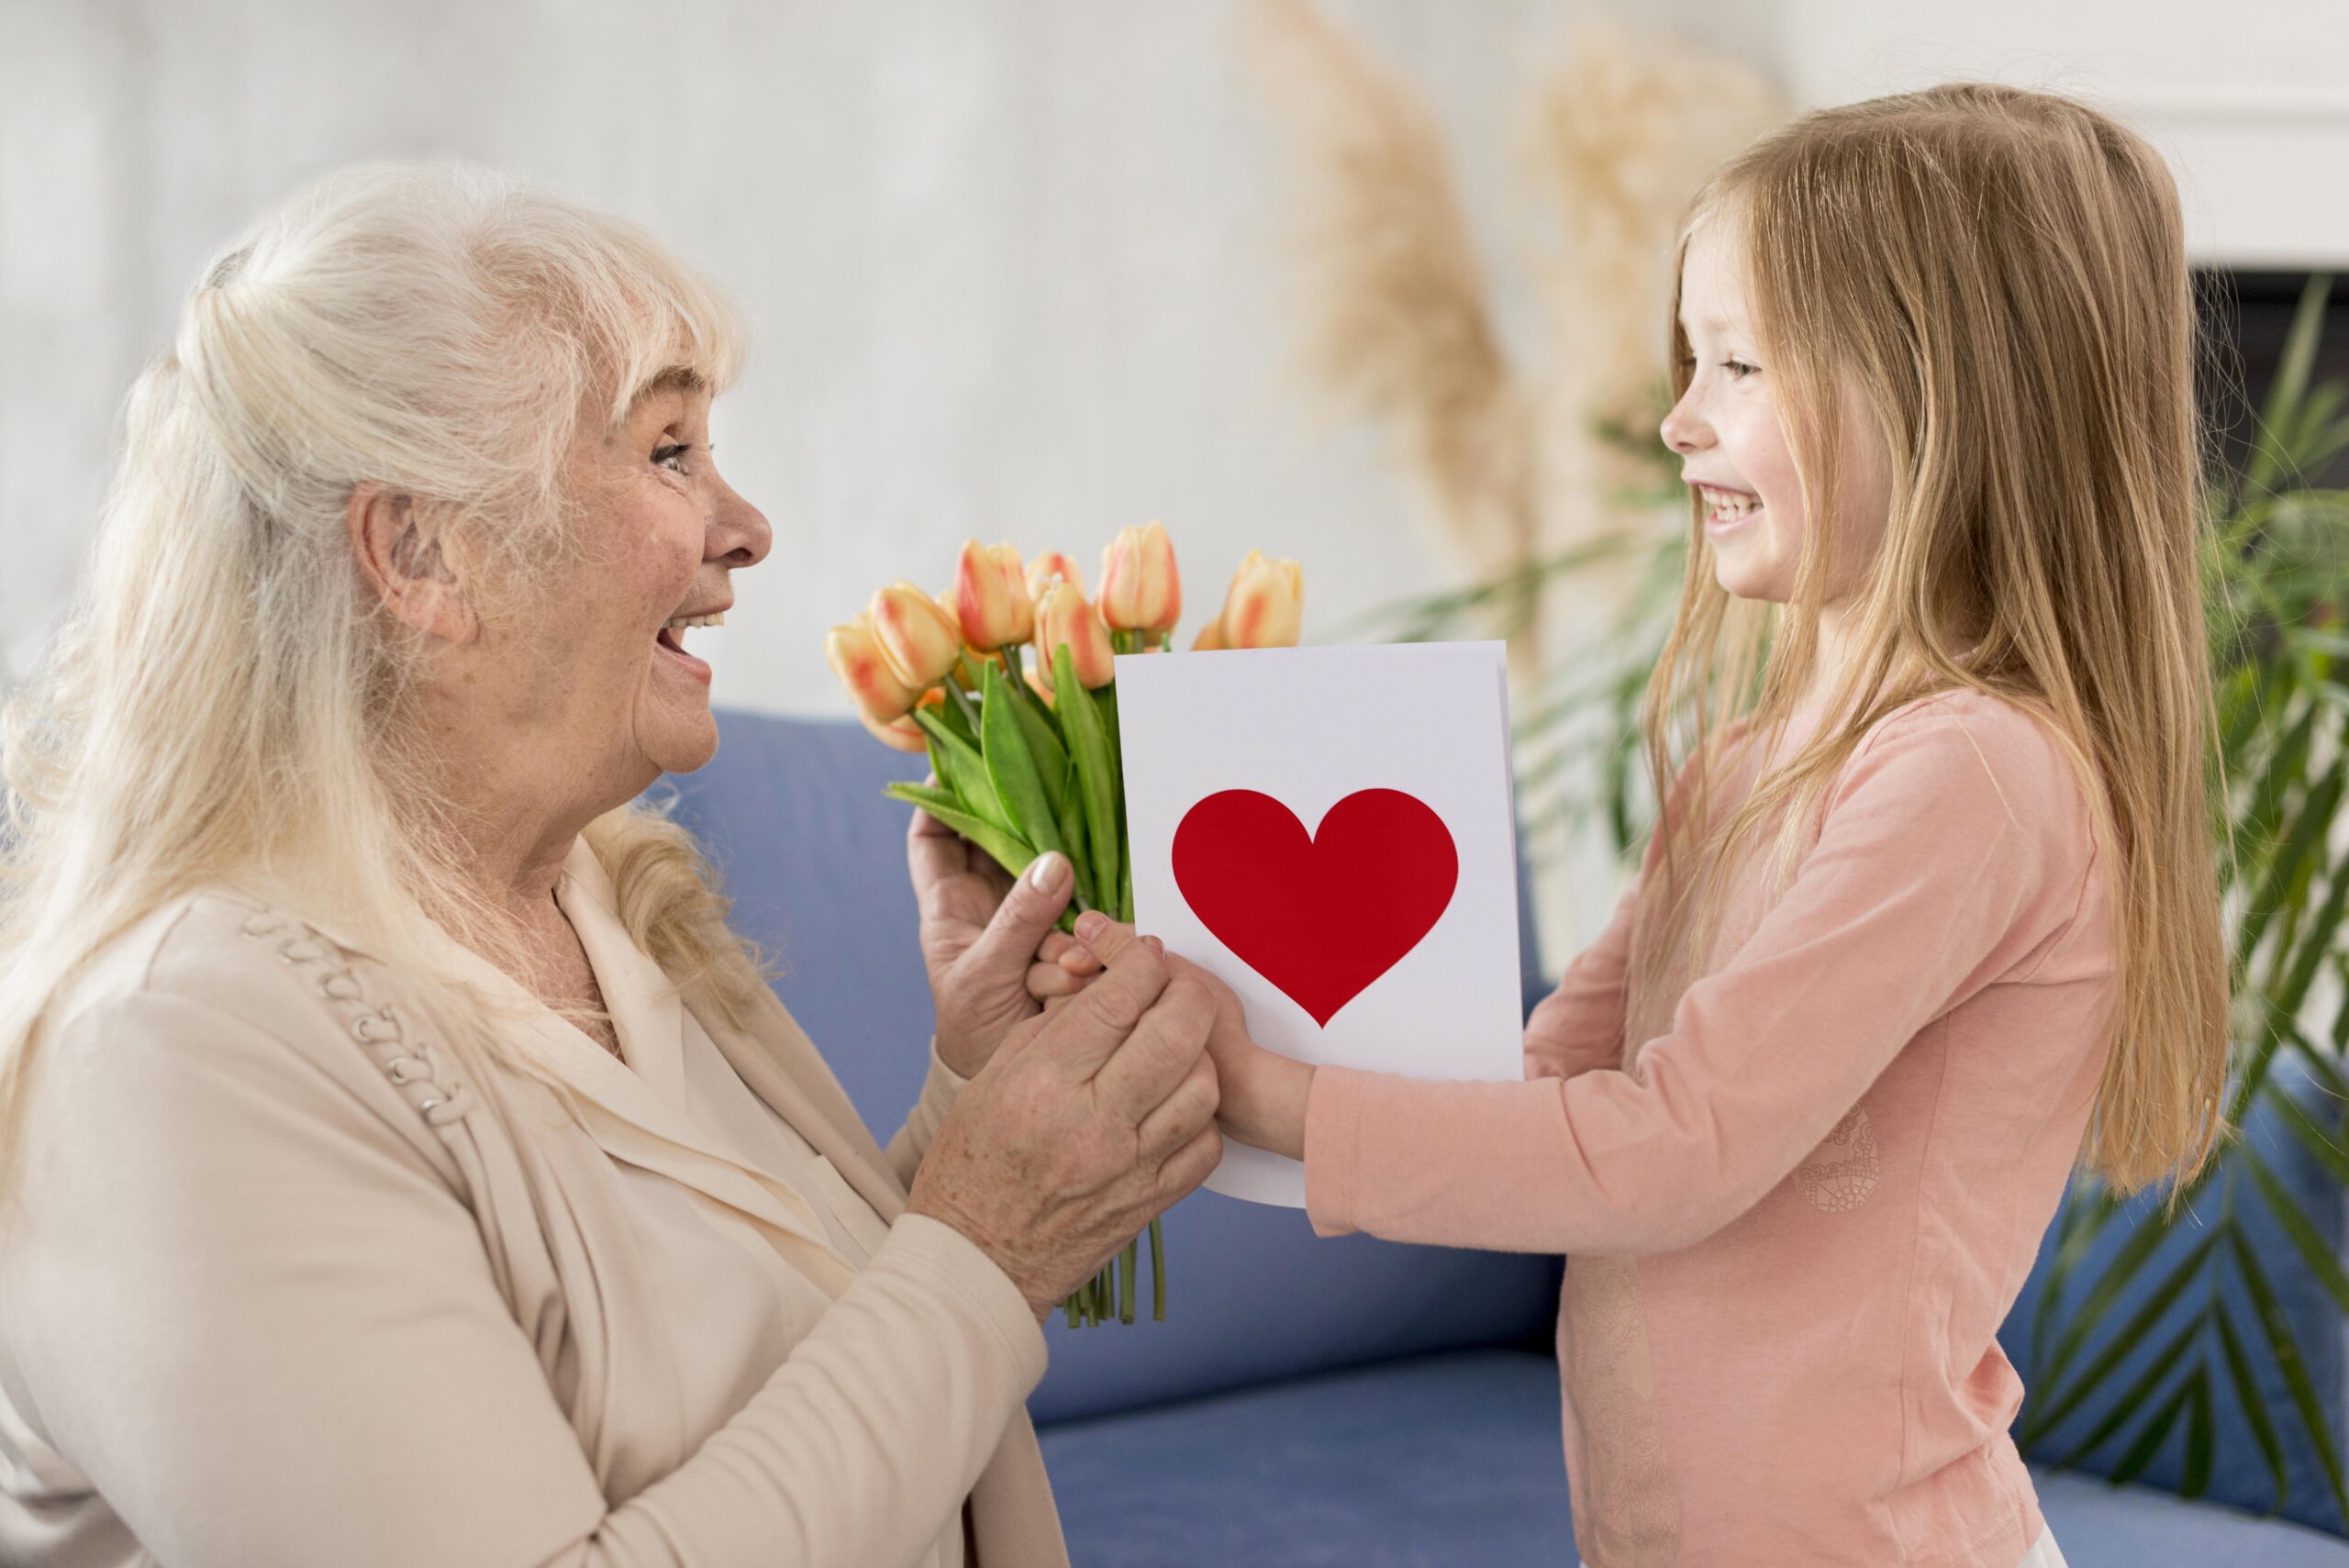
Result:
{"points": [[1935, 918]]}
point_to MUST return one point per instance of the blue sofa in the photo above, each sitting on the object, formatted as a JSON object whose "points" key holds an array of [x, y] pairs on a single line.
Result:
{"points": [[1306, 1402]]}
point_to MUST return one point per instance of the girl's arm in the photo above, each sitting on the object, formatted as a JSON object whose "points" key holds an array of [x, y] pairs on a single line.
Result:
{"points": [[1578, 1028], [1923, 888]]}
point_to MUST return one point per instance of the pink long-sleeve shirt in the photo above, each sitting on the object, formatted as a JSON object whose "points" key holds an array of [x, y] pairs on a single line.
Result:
{"points": [[1799, 1194]]}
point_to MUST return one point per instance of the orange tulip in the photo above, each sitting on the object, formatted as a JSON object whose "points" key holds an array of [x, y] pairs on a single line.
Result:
{"points": [[903, 734], [1265, 604], [992, 597], [855, 656], [954, 613], [921, 642], [1141, 590], [1048, 569], [1065, 617]]}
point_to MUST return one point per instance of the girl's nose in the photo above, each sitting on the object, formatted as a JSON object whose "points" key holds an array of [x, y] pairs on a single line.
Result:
{"points": [[1681, 431]]}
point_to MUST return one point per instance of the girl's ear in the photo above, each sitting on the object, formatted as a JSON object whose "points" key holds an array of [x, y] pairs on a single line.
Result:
{"points": [[405, 554]]}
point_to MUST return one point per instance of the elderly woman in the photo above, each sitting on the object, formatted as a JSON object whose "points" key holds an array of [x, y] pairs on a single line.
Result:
{"points": [[408, 1166]]}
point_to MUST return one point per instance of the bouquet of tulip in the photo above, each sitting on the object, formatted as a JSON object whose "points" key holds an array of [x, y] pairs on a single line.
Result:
{"points": [[1026, 758]]}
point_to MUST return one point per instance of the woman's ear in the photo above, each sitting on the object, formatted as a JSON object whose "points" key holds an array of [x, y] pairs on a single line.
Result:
{"points": [[406, 563]]}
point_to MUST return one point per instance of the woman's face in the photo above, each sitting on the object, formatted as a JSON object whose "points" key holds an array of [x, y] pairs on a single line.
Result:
{"points": [[605, 693], [1733, 450]]}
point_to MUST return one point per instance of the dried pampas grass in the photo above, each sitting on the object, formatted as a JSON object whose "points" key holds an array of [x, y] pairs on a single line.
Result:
{"points": [[1621, 136], [1397, 317], [1393, 315]]}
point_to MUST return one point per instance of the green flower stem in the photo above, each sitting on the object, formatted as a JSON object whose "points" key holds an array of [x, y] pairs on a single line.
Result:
{"points": [[962, 701], [1157, 1274], [1127, 1262], [1072, 825]]}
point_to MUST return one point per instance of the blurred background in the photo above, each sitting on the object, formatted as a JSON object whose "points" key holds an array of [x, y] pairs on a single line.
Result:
{"points": [[1038, 268]]}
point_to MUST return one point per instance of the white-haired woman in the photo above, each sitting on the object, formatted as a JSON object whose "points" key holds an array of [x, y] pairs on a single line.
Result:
{"points": [[406, 1165]]}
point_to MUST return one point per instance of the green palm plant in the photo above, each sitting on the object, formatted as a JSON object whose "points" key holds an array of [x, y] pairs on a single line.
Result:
{"points": [[2273, 552]]}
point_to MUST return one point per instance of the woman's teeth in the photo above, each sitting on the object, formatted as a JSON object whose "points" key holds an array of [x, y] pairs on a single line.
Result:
{"points": [[1729, 505], [681, 622]]}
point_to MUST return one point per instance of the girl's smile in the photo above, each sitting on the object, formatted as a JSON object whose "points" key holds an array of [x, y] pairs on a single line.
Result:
{"points": [[1727, 512]]}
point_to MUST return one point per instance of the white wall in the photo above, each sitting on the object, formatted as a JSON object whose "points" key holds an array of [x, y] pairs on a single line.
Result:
{"points": [[2249, 98], [1011, 264]]}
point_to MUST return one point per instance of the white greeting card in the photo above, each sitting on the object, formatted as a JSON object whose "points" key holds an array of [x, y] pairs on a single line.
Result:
{"points": [[1329, 830]]}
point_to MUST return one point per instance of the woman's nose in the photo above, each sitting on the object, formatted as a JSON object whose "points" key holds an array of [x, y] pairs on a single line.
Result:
{"points": [[739, 534]]}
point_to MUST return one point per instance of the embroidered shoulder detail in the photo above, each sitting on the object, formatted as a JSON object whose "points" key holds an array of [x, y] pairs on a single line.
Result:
{"points": [[1842, 1172], [412, 1065]]}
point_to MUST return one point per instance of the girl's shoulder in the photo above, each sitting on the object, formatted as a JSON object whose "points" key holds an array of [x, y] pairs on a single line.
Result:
{"points": [[2016, 739], [2009, 749]]}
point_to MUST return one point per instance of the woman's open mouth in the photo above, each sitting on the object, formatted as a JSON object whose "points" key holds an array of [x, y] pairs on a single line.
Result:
{"points": [[670, 641]]}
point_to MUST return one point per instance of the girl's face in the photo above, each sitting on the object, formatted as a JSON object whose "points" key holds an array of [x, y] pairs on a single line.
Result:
{"points": [[1733, 447]]}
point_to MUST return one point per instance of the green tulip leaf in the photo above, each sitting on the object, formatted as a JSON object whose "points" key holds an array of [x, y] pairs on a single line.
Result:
{"points": [[1006, 849], [1097, 778], [964, 772], [1011, 768]]}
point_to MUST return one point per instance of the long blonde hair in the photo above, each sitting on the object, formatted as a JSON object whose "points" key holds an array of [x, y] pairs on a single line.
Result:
{"points": [[2002, 273], [225, 703]]}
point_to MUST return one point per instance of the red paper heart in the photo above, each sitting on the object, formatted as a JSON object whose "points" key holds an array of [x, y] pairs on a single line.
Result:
{"points": [[1320, 916]]}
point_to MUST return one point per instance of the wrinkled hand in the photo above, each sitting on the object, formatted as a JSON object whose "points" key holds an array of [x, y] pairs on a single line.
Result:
{"points": [[1064, 967], [1262, 1095], [1085, 1126], [980, 931]]}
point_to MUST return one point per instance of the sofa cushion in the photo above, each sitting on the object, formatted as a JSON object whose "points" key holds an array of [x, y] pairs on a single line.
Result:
{"points": [[1455, 1458], [813, 855], [2240, 1474]]}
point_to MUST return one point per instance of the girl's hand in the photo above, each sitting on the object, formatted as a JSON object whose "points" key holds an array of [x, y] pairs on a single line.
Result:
{"points": [[1262, 1094], [980, 931]]}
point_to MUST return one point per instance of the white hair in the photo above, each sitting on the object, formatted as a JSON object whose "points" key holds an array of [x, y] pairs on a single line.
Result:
{"points": [[223, 704]]}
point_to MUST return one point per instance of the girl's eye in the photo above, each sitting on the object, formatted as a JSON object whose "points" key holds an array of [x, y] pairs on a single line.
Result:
{"points": [[662, 457], [1738, 369]]}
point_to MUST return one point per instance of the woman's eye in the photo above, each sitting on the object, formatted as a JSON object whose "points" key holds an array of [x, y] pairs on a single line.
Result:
{"points": [[1738, 369], [663, 456]]}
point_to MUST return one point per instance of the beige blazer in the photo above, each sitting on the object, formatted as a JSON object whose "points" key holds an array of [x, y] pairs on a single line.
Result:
{"points": [[287, 1285]]}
